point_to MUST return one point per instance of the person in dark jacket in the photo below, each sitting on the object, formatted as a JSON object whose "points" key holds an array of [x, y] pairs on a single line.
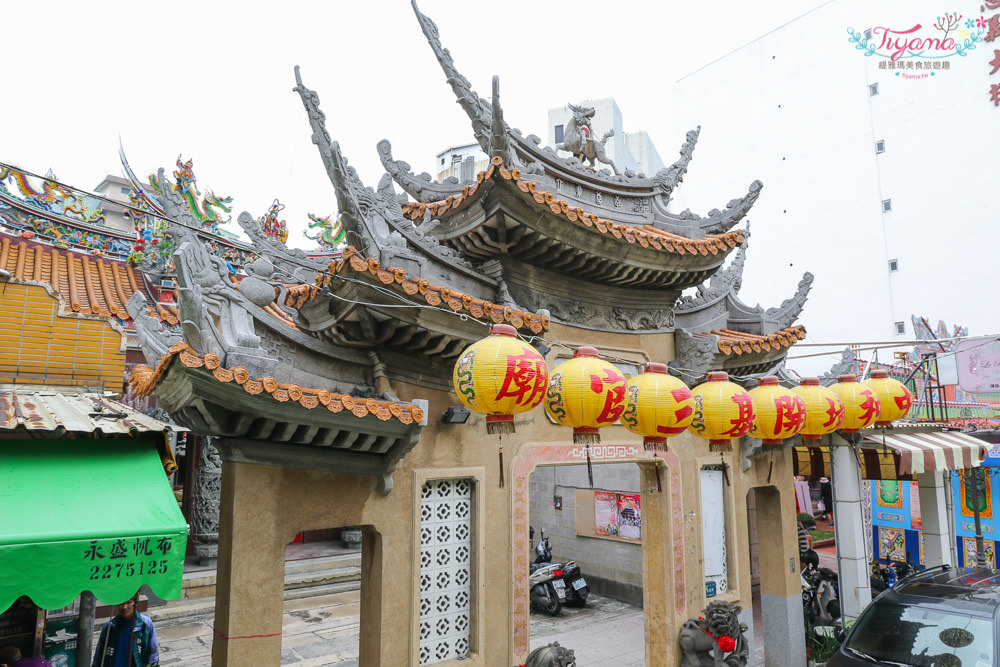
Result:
{"points": [[826, 493], [128, 639]]}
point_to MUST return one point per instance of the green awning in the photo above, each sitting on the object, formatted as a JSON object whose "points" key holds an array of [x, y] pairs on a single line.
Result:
{"points": [[87, 514]]}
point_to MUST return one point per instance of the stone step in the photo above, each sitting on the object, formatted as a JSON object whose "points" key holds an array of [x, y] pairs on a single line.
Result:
{"points": [[303, 573], [191, 609]]}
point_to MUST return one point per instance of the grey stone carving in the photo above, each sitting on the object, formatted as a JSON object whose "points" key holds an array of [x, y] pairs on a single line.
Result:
{"points": [[551, 655], [592, 315], [695, 353], [421, 187], [722, 284], [668, 178], [292, 262], [718, 222], [255, 286], [374, 220], [154, 339], [477, 109], [704, 641], [847, 364], [717, 306], [205, 505], [499, 137], [579, 138], [206, 295]]}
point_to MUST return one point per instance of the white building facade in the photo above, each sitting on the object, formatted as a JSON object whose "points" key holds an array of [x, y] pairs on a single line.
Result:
{"points": [[878, 173]]}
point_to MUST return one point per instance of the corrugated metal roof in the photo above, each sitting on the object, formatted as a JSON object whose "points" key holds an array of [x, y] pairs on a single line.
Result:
{"points": [[58, 412]]}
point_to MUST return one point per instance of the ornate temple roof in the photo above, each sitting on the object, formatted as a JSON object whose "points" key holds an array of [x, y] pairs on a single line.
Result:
{"points": [[461, 222], [88, 284], [145, 380], [716, 330], [301, 427], [641, 200]]}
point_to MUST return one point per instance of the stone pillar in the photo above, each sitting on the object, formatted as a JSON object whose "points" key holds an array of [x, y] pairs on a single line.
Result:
{"points": [[660, 599], [250, 584], [205, 506], [780, 590], [852, 559], [934, 515]]}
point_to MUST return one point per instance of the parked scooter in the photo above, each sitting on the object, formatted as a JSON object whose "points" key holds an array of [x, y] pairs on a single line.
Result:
{"points": [[546, 589], [576, 588], [886, 577], [820, 593]]}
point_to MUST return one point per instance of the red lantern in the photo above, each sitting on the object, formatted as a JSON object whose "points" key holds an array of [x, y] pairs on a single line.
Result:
{"points": [[861, 404], [894, 398], [723, 410], [824, 409], [780, 413]]}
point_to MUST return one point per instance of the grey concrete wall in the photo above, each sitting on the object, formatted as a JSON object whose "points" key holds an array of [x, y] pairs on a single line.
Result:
{"points": [[612, 568]]}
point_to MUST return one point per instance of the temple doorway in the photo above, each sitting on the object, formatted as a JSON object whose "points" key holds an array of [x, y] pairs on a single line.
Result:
{"points": [[322, 599], [660, 557], [763, 520]]}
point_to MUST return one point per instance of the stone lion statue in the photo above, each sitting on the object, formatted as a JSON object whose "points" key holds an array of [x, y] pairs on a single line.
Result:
{"points": [[716, 640], [552, 655]]}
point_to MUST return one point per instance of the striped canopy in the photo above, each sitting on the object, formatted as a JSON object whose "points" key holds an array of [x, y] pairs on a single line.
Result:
{"points": [[926, 452], [899, 456]]}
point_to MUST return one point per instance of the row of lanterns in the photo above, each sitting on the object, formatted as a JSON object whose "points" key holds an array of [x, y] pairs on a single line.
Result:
{"points": [[502, 375]]}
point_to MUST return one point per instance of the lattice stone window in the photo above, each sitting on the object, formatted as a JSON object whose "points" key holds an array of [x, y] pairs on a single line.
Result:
{"points": [[445, 569]]}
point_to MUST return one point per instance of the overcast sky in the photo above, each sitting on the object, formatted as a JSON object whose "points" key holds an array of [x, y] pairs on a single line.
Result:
{"points": [[212, 81]]}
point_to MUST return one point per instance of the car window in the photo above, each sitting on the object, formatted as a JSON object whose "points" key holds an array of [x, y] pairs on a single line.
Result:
{"points": [[906, 635]]}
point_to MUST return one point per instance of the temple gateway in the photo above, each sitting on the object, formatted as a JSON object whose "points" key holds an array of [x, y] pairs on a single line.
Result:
{"points": [[324, 385]]}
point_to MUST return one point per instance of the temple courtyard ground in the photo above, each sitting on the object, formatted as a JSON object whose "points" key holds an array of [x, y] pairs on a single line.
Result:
{"points": [[321, 617]]}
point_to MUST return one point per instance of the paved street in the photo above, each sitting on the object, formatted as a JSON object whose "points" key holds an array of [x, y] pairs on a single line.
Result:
{"points": [[321, 625], [323, 630]]}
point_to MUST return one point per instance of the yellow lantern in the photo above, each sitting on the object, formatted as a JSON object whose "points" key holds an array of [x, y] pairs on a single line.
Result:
{"points": [[861, 404], [723, 410], [500, 376], [657, 406], [585, 393], [824, 409], [780, 413], [894, 398]]}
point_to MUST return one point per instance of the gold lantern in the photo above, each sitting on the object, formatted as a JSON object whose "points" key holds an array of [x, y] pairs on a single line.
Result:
{"points": [[585, 393], [861, 404], [657, 406], [894, 398], [780, 413], [723, 410], [824, 409], [500, 376]]}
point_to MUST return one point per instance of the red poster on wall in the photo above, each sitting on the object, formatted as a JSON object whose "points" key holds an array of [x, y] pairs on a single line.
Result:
{"points": [[605, 514], [629, 516]]}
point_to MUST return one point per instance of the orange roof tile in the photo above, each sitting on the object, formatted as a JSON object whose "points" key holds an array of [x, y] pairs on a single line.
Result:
{"points": [[144, 380], [89, 284], [646, 236], [739, 343], [434, 295]]}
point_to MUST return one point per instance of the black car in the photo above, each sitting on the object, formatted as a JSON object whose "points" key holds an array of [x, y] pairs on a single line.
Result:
{"points": [[941, 617]]}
